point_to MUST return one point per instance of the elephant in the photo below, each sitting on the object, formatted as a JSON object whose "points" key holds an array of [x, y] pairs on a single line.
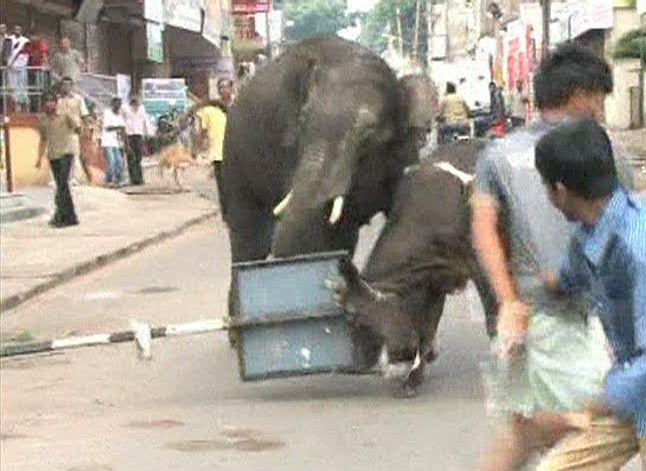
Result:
{"points": [[314, 146], [423, 253]]}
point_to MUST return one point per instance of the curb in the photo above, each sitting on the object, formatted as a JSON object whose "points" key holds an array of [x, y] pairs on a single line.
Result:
{"points": [[83, 268]]}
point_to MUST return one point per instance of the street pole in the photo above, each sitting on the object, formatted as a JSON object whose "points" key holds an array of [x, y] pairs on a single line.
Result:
{"points": [[429, 36], [547, 17], [400, 32], [416, 36]]}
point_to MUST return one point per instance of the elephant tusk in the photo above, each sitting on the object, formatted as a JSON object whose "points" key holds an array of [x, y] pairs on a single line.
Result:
{"points": [[337, 210], [280, 207]]}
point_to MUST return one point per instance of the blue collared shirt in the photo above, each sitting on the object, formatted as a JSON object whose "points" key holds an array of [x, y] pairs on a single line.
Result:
{"points": [[608, 261]]}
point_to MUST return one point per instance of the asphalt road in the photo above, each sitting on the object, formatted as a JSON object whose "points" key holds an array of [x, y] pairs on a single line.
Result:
{"points": [[102, 409]]}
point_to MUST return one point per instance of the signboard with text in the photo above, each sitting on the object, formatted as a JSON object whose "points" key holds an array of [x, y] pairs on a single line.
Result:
{"points": [[154, 11], [591, 14], [163, 96], [154, 42], [184, 14], [247, 7]]}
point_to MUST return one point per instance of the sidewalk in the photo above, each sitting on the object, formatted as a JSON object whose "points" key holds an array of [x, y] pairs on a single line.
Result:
{"points": [[35, 257]]}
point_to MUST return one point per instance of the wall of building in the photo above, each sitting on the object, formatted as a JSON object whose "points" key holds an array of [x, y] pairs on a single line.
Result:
{"points": [[625, 72]]}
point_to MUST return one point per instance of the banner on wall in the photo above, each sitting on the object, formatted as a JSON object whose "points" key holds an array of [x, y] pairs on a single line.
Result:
{"points": [[184, 14], [154, 11], [590, 14], [154, 42], [250, 7], [213, 22], [163, 96]]}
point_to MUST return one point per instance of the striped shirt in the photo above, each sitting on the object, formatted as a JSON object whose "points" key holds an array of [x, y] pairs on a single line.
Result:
{"points": [[608, 260]]}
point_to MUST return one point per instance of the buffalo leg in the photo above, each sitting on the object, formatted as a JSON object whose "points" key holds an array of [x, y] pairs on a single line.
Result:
{"points": [[428, 324]]}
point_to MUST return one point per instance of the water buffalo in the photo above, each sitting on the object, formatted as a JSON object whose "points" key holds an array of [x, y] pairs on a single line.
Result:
{"points": [[423, 254]]}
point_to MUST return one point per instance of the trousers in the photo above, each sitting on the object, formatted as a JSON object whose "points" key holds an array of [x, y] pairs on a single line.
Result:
{"points": [[135, 153], [65, 212]]}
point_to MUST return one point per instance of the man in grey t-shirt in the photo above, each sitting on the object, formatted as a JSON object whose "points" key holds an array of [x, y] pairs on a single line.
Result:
{"points": [[572, 82], [68, 62]]}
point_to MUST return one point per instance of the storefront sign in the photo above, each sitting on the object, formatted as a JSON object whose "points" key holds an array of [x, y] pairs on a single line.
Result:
{"points": [[163, 96], [246, 7], [213, 21], [184, 14], [154, 11], [590, 14], [245, 30], [154, 42]]}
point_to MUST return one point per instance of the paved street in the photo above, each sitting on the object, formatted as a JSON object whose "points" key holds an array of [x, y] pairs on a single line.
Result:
{"points": [[101, 409]]}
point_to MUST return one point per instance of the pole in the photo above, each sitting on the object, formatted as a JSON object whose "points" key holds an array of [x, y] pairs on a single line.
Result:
{"points": [[416, 36], [7, 155], [429, 29], [547, 16], [268, 32], [400, 32]]}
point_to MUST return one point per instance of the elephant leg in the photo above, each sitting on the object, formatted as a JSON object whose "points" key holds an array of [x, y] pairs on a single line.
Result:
{"points": [[489, 303], [250, 233]]}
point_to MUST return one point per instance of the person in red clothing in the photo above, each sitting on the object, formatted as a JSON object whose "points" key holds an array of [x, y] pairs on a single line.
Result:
{"points": [[39, 59]]}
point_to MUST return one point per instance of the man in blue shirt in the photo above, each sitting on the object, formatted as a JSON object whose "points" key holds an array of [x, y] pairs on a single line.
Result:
{"points": [[606, 261]]}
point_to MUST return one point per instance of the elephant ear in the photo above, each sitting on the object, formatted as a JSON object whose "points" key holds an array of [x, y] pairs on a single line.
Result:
{"points": [[418, 96]]}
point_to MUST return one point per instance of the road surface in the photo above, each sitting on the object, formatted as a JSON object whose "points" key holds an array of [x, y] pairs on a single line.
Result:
{"points": [[102, 409]]}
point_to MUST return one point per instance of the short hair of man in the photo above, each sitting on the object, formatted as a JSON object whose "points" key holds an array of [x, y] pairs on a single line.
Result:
{"points": [[570, 68], [578, 154]]}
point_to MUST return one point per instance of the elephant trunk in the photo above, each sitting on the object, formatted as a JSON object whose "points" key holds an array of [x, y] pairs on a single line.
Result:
{"points": [[329, 170]]}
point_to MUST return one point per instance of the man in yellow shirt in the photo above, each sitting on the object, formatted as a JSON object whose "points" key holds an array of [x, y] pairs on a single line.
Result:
{"points": [[455, 114], [212, 124]]}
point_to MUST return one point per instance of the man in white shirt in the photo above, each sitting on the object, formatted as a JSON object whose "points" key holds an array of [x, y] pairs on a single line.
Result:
{"points": [[137, 128], [112, 139], [18, 59]]}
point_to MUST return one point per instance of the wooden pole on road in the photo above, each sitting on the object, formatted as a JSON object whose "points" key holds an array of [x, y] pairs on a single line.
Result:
{"points": [[547, 17]]}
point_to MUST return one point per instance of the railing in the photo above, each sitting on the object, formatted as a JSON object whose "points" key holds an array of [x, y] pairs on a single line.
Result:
{"points": [[24, 86]]}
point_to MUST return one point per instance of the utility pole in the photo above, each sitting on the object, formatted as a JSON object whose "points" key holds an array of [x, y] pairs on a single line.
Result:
{"points": [[416, 36], [400, 32], [547, 17], [429, 36]]}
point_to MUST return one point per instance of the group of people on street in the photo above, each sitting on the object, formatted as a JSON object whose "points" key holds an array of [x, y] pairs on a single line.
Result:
{"points": [[26, 62], [455, 113], [64, 117], [124, 130], [563, 242]]}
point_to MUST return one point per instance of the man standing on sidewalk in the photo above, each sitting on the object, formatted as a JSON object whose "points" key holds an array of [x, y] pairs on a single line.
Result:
{"points": [[67, 62], [112, 142], [57, 144], [212, 124], [73, 103], [518, 102], [137, 128]]}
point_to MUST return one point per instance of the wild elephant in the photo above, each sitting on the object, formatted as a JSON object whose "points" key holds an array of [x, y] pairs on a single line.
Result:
{"points": [[423, 254], [314, 146]]}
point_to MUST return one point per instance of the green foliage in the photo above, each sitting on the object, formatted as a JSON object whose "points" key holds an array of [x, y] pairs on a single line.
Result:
{"points": [[382, 21], [631, 45], [315, 17]]}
